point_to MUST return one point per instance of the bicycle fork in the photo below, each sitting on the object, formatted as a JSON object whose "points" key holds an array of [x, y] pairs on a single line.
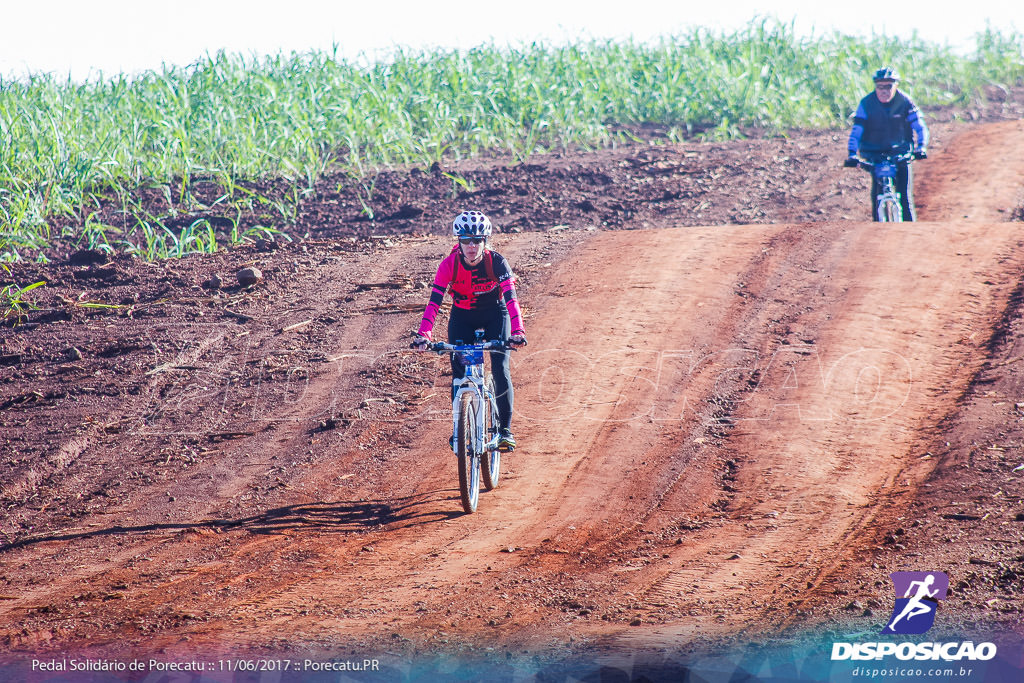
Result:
{"points": [[483, 403], [888, 195], [473, 440]]}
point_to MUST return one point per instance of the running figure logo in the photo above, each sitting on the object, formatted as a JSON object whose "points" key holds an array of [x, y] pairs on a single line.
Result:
{"points": [[917, 596]]}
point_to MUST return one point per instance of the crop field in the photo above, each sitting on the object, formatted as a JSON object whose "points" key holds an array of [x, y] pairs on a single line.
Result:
{"points": [[78, 159]]}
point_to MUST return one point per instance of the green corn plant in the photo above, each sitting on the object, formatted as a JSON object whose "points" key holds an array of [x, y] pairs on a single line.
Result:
{"points": [[13, 304], [459, 181]]}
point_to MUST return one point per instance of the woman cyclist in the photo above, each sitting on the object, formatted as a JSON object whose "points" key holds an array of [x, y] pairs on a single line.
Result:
{"points": [[483, 297]]}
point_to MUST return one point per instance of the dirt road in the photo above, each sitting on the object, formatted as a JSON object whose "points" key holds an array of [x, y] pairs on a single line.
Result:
{"points": [[711, 419]]}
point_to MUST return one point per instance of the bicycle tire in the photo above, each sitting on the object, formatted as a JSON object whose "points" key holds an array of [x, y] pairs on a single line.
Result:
{"points": [[490, 463], [889, 210], [893, 211], [469, 459]]}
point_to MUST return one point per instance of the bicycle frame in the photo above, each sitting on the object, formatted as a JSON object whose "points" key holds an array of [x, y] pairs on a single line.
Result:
{"points": [[475, 405], [888, 205], [474, 382]]}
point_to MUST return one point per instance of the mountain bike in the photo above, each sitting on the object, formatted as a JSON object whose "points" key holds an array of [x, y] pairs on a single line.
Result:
{"points": [[474, 419], [888, 205]]}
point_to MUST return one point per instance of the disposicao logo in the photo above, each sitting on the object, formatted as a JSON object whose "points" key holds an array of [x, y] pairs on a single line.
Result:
{"points": [[917, 597], [915, 610]]}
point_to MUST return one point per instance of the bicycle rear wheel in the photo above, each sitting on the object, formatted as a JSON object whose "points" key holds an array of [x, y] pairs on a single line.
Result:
{"points": [[469, 459], [490, 464]]}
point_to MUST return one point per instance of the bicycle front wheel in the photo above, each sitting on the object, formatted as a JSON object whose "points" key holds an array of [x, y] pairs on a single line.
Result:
{"points": [[466, 453], [491, 461], [889, 210]]}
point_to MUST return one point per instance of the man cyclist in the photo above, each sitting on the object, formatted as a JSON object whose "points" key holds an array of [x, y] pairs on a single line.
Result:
{"points": [[483, 296], [887, 121]]}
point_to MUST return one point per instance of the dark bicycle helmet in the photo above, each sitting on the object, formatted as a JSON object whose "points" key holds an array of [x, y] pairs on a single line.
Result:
{"points": [[471, 224], [886, 73]]}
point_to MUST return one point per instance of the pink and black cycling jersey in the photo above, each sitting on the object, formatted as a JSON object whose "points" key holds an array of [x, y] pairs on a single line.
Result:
{"points": [[472, 289]]}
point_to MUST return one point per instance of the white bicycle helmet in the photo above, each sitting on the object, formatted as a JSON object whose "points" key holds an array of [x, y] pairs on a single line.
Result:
{"points": [[471, 224], [886, 73]]}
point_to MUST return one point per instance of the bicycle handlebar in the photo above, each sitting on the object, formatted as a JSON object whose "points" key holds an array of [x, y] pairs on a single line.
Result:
{"points": [[493, 345], [891, 158]]}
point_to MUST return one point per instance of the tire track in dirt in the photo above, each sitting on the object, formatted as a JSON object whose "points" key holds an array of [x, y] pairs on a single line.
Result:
{"points": [[816, 460]]}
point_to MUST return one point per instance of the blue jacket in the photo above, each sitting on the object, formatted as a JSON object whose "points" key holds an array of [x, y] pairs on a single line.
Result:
{"points": [[887, 127]]}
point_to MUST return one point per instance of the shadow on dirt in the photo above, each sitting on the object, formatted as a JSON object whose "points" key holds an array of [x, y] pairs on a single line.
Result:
{"points": [[343, 517]]}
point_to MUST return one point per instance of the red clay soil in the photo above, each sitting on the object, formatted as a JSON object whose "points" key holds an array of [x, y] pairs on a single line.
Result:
{"points": [[735, 423]]}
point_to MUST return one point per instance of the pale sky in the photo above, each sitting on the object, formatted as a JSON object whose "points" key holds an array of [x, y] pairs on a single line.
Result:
{"points": [[83, 37]]}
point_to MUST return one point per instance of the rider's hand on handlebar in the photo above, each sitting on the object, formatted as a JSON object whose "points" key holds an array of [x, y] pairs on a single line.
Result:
{"points": [[517, 340], [851, 162], [920, 154], [419, 343]]}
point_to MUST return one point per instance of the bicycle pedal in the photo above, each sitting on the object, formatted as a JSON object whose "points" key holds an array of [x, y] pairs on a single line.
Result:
{"points": [[506, 448]]}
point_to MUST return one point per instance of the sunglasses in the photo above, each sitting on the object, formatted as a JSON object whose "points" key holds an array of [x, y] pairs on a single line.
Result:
{"points": [[471, 240], [884, 86]]}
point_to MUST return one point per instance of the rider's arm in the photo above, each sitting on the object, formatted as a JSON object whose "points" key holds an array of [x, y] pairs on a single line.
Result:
{"points": [[506, 282], [860, 119], [916, 122], [443, 278]]}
